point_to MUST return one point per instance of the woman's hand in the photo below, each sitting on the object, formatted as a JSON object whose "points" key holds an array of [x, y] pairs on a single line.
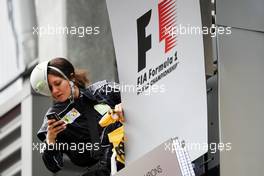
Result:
{"points": [[54, 128], [119, 113]]}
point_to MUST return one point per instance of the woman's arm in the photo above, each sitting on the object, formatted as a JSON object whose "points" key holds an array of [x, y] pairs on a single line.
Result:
{"points": [[52, 157]]}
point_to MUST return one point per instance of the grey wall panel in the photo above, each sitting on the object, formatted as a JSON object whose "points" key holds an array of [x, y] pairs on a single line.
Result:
{"points": [[206, 8], [213, 120], [51, 15], [241, 85], [92, 52], [241, 13], [40, 105]]}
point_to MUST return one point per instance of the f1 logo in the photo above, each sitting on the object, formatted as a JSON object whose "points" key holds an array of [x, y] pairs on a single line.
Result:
{"points": [[167, 20], [144, 42]]}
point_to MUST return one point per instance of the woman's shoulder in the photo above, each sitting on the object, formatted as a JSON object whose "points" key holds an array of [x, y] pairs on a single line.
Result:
{"points": [[100, 84], [104, 91], [103, 86]]}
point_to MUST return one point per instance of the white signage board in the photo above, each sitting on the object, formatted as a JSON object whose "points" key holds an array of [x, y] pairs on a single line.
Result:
{"points": [[161, 161], [168, 67]]}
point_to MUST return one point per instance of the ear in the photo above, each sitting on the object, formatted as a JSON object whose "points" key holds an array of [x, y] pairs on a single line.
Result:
{"points": [[71, 83], [72, 77]]}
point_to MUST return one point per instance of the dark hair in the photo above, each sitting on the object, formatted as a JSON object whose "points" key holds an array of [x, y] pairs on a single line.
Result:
{"points": [[79, 76]]}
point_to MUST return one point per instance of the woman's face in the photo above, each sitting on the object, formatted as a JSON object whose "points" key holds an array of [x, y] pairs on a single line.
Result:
{"points": [[59, 87]]}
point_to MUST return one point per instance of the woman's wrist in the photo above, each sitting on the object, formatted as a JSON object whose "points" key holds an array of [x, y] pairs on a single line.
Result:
{"points": [[50, 141]]}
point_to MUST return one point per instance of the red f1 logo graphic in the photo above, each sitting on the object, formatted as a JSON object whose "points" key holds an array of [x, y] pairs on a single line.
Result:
{"points": [[167, 21]]}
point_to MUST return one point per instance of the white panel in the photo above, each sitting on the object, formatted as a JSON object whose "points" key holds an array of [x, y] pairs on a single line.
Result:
{"points": [[10, 65], [18, 45], [241, 85], [12, 96], [160, 161], [26, 134], [241, 13], [25, 18], [180, 110]]}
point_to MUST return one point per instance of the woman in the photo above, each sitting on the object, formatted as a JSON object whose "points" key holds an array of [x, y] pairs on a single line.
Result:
{"points": [[79, 109]]}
